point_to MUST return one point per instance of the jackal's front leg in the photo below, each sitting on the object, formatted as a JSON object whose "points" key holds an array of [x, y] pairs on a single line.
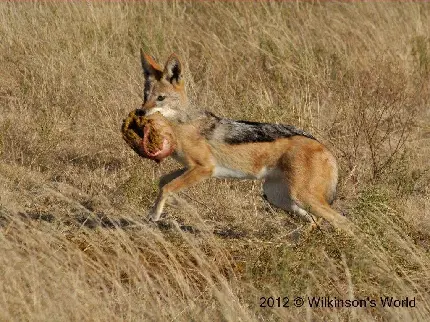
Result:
{"points": [[187, 179]]}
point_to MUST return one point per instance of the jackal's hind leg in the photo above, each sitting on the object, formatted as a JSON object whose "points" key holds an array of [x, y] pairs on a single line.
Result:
{"points": [[277, 193]]}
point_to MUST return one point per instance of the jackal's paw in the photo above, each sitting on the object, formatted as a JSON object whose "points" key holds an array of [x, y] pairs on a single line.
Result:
{"points": [[155, 216]]}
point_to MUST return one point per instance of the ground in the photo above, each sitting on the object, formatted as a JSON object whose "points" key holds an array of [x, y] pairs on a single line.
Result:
{"points": [[75, 242]]}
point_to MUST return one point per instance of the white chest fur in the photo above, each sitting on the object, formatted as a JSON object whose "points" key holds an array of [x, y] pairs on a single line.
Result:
{"points": [[224, 172]]}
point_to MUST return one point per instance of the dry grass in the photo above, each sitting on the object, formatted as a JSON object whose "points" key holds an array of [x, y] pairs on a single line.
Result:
{"points": [[74, 244]]}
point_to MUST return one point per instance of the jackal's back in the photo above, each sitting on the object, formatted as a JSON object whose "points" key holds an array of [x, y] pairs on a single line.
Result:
{"points": [[241, 132]]}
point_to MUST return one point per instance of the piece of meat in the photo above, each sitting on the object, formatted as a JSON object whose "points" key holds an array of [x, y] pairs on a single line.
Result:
{"points": [[151, 137]]}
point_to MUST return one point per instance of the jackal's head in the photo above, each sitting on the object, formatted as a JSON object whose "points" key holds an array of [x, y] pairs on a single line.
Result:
{"points": [[164, 87]]}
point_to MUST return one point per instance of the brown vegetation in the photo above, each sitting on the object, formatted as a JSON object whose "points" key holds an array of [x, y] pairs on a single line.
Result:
{"points": [[74, 241]]}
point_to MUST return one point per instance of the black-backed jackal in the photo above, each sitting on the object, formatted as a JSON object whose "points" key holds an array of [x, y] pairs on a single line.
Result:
{"points": [[300, 174]]}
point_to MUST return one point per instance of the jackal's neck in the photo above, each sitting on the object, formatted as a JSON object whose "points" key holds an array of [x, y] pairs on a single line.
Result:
{"points": [[188, 113]]}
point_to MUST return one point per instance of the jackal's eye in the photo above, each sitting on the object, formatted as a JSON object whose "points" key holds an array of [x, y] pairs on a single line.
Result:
{"points": [[161, 98]]}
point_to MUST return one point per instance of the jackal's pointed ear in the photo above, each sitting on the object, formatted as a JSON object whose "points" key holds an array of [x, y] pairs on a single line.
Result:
{"points": [[151, 71], [173, 70], [150, 68]]}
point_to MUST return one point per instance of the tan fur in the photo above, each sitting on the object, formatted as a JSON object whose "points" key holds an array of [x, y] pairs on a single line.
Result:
{"points": [[300, 174]]}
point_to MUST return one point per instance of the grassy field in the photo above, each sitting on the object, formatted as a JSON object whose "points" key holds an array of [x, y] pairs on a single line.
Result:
{"points": [[74, 240]]}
